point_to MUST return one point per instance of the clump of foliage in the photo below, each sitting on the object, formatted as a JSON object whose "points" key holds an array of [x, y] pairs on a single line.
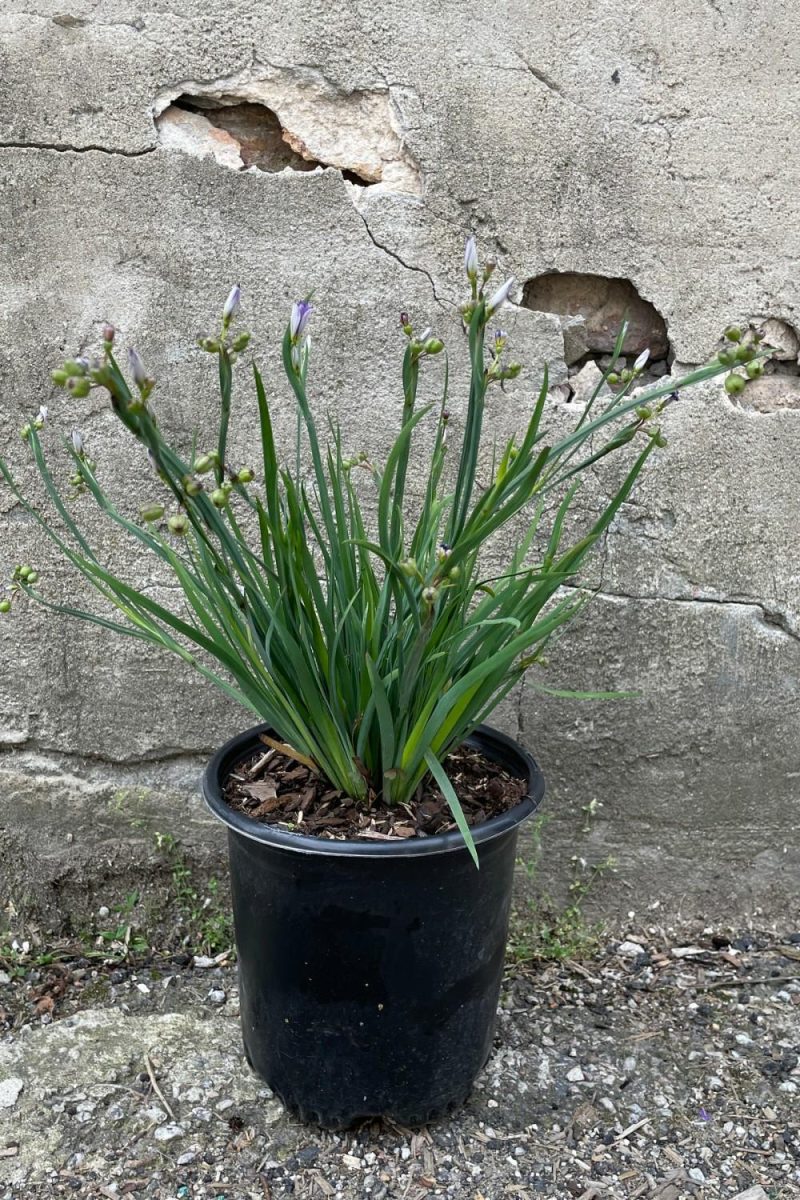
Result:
{"points": [[372, 650]]}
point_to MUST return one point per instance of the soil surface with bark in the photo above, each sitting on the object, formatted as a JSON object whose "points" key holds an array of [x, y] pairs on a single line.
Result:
{"points": [[277, 790]]}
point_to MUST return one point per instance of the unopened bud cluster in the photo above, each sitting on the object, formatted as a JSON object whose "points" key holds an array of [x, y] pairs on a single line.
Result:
{"points": [[497, 371], [24, 576], [219, 496], [423, 344], [223, 341], [628, 375], [478, 278], [78, 478], [742, 351]]}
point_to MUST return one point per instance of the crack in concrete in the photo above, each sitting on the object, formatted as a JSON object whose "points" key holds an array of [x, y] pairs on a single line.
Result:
{"points": [[66, 148], [543, 78], [408, 266], [771, 617], [30, 746]]}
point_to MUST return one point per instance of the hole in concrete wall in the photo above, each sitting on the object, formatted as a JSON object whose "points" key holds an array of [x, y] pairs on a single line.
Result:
{"points": [[276, 119], [254, 134], [779, 386], [592, 309]]}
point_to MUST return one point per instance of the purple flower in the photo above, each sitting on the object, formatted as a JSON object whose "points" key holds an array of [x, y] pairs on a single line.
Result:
{"points": [[500, 297], [471, 259], [137, 368], [232, 304], [301, 315], [704, 1116], [77, 441]]}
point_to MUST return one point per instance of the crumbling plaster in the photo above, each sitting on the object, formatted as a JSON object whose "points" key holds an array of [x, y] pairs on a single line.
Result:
{"points": [[650, 143]]}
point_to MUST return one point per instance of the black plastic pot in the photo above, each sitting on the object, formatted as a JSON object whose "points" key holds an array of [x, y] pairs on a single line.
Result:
{"points": [[370, 973]]}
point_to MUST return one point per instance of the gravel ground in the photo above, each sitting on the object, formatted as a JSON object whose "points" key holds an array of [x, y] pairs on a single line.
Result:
{"points": [[665, 1066]]}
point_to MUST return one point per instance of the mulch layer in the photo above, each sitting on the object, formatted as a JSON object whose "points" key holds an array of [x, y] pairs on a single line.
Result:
{"points": [[275, 789]]}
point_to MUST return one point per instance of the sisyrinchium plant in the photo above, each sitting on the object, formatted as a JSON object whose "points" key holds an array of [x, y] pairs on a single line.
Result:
{"points": [[372, 646]]}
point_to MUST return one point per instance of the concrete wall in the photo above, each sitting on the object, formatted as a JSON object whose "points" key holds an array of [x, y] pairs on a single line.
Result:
{"points": [[654, 143]]}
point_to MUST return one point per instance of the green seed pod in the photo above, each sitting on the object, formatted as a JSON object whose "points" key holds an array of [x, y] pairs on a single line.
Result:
{"points": [[26, 432], [734, 385], [241, 342], [32, 577], [512, 370], [434, 346], [204, 463], [227, 486], [59, 378], [24, 571], [745, 354], [409, 567], [178, 524], [726, 358], [74, 368], [245, 476], [219, 497], [644, 413], [626, 376], [733, 333], [76, 480], [429, 595], [79, 387], [153, 512], [454, 573], [191, 486], [612, 378], [754, 370], [5, 606]]}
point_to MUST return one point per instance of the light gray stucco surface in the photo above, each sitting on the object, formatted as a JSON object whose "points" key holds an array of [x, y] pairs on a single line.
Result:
{"points": [[651, 142]]}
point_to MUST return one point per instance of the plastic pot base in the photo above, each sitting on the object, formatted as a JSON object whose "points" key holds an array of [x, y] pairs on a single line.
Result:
{"points": [[369, 973]]}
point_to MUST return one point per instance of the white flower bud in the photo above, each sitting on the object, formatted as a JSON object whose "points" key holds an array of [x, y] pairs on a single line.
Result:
{"points": [[500, 297], [232, 304], [471, 259]]}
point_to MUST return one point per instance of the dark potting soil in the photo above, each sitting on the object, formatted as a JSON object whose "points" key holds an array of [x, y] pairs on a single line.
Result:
{"points": [[275, 789]]}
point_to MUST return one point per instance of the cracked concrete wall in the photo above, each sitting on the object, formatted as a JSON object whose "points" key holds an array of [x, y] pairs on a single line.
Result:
{"points": [[653, 143]]}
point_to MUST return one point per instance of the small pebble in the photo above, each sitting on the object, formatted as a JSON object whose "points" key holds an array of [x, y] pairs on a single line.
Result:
{"points": [[10, 1091], [168, 1133]]}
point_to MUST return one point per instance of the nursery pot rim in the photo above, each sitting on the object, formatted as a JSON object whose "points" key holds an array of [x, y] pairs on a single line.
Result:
{"points": [[497, 745]]}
